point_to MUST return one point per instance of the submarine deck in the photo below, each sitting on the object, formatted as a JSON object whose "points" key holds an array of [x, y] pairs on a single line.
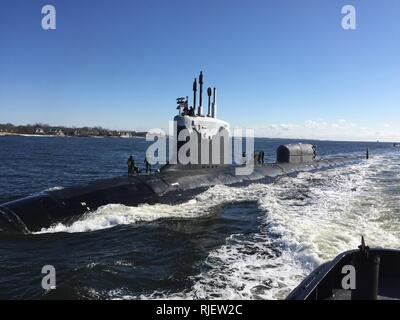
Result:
{"points": [[174, 184]]}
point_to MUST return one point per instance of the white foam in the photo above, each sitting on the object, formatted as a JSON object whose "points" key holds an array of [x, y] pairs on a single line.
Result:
{"points": [[308, 220], [116, 214], [54, 188], [313, 218]]}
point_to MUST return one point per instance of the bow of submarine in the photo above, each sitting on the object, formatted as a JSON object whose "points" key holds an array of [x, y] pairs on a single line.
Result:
{"points": [[39, 211]]}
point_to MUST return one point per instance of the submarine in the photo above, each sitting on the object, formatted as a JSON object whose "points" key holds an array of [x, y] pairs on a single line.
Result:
{"points": [[174, 183]]}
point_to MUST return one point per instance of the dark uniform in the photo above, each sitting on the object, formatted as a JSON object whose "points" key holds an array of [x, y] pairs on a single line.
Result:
{"points": [[131, 166], [148, 165], [314, 148]]}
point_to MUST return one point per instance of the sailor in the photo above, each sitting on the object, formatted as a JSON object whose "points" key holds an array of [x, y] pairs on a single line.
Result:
{"points": [[314, 148], [131, 166], [191, 111], [182, 106], [148, 164], [260, 157], [186, 107]]}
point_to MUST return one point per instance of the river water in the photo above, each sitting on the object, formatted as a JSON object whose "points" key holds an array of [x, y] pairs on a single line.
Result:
{"points": [[255, 242]]}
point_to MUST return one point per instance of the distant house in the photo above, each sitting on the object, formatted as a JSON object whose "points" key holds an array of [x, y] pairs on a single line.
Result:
{"points": [[60, 133], [39, 131], [125, 134]]}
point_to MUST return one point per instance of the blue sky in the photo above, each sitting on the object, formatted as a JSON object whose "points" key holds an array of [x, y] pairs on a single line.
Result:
{"points": [[283, 67]]}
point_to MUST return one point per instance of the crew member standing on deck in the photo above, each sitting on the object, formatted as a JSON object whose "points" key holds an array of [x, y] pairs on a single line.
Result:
{"points": [[314, 148], [148, 164], [131, 166]]}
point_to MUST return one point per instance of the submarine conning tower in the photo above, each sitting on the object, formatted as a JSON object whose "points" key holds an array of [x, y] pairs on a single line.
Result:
{"points": [[208, 134]]}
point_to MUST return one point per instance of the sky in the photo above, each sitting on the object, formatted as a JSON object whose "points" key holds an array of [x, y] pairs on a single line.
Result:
{"points": [[286, 68]]}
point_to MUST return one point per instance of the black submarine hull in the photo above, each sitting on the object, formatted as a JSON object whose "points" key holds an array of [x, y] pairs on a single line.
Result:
{"points": [[172, 185]]}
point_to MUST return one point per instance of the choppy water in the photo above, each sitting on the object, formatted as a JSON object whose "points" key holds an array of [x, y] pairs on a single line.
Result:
{"points": [[256, 242]]}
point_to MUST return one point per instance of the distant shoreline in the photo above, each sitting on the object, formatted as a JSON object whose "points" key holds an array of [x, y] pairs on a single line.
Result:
{"points": [[45, 130], [11, 134]]}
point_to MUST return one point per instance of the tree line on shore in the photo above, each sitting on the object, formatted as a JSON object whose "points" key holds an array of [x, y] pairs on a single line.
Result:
{"points": [[45, 129]]}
